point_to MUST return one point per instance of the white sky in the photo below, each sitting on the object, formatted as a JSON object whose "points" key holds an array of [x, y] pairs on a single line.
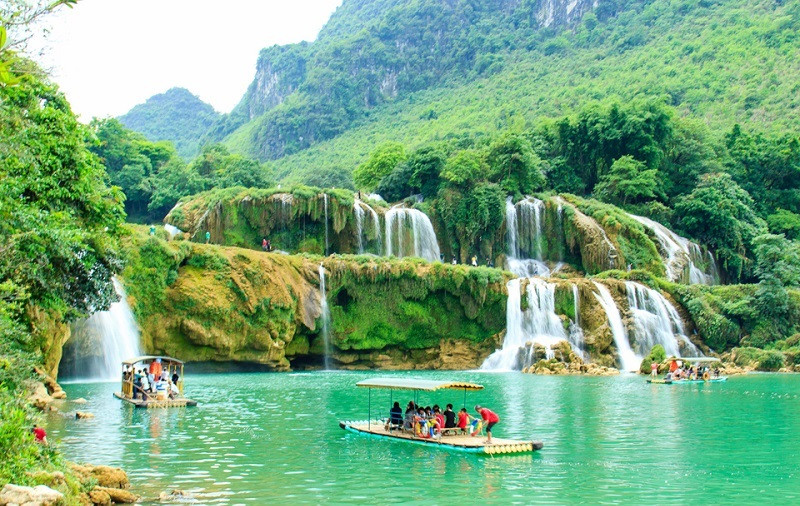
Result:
{"points": [[109, 55]]}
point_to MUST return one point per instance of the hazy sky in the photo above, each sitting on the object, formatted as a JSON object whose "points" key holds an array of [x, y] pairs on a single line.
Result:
{"points": [[109, 55]]}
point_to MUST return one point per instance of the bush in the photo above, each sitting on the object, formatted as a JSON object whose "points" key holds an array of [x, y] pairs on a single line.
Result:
{"points": [[771, 360], [657, 354]]}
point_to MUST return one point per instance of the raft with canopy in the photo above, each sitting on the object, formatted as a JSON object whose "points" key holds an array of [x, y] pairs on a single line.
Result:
{"points": [[449, 440], [698, 361], [170, 395]]}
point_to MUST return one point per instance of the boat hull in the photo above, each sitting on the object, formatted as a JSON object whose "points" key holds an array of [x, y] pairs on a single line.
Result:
{"points": [[682, 382], [464, 444], [153, 403]]}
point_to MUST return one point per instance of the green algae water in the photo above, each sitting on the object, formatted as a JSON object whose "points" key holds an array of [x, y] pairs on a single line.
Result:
{"points": [[261, 437]]}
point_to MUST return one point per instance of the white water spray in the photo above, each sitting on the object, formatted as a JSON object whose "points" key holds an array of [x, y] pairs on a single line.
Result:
{"points": [[538, 324], [409, 232], [628, 359], [116, 333], [524, 238], [576, 337], [656, 321], [325, 317], [325, 203]]}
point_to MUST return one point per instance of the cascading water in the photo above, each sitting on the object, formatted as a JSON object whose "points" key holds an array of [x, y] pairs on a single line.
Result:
{"points": [[576, 337], [358, 207], [172, 230], [325, 317], [538, 324], [629, 361], [524, 238], [409, 232], [112, 336], [656, 321], [325, 204], [683, 259], [359, 214]]}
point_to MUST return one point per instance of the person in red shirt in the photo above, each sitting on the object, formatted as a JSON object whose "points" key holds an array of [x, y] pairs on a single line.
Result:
{"points": [[463, 420], [40, 434], [489, 418]]}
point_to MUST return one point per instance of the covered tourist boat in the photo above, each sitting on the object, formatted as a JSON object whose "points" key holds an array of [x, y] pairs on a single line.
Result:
{"points": [[450, 439], [700, 363], [166, 389]]}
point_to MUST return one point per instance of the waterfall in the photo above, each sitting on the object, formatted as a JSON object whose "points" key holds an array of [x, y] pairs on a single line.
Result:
{"points": [[359, 212], [538, 324], [409, 232], [576, 337], [358, 207], [656, 321], [172, 230], [325, 317], [110, 336], [683, 259], [627, 358], [524, 238], [325, 204]]}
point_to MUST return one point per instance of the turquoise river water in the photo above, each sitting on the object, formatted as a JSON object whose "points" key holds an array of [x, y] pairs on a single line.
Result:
{"points": [[270, 437]]}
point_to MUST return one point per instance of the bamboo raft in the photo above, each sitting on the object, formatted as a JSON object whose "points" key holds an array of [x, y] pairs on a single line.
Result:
{"points": [[156, 403], [686, 381], [462, 443], [449, 440]]}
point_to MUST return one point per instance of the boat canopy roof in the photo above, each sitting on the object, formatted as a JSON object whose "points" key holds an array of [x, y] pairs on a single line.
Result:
{"points": [[696, 359], [417, 384], [136, 360]]}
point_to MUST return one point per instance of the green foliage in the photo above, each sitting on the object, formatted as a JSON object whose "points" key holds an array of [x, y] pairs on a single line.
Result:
{"points": [[176, 116], [464, 168], [513, 163], [721, 214], [381, 163], [657, 354], [786, 223], [627, 181], [330, 177]]}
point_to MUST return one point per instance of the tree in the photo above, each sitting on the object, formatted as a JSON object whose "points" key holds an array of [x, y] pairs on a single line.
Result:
{"points": [[58, 219], [514, 165], [464, 168], [330, 177], [777, 267], [786, 223], [380, 164], [425, 166], [720, 213], [628, 181]]}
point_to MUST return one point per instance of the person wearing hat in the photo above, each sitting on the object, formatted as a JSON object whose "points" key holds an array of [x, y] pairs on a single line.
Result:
{"points": [[489, 418]]}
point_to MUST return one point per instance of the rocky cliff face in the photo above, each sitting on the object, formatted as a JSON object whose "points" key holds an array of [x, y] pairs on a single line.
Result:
{"points": [[371, 52]]}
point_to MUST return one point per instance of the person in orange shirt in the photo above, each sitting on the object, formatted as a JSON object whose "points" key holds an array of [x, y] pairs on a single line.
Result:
{"points": [[155, 368], [673, 366]]}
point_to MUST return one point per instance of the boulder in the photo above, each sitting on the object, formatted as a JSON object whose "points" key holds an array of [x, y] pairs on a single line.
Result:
{"points": [[99, 496], [80, 400], [111, 477], [79, 415], [38, 396], [174, 496], [38, 495], [118, 495]]}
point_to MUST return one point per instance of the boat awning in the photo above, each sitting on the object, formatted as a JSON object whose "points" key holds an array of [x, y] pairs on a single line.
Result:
{"points": [[696, 359], [136, 360], [417, 384]]}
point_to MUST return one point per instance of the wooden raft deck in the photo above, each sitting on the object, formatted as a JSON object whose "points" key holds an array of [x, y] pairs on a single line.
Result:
{"points": [[154, 403], [464, 443], [686, 382]]}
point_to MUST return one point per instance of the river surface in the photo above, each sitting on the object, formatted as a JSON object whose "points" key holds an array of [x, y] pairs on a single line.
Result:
{"points": [[259, 437]]}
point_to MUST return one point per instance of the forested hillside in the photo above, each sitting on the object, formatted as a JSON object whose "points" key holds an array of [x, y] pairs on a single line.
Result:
{"points": [[175, 115]]}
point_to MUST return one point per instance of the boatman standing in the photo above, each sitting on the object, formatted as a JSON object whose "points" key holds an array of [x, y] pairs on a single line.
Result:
{"points": [[489, 418]]}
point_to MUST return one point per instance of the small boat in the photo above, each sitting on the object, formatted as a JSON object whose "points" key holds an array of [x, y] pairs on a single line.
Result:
{"points": [[168, 394], [697, 361], [450, 440]]}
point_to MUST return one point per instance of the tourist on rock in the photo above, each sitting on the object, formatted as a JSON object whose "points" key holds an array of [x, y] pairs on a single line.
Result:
{"points": [[474, 261], [454, 262], [208, 237], [264, 244], [490, 418]]}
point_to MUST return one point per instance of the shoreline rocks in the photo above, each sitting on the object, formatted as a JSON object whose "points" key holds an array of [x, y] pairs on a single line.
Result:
{"points": [[39, 495]]}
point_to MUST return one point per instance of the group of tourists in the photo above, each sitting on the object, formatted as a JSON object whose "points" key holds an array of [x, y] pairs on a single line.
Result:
{"points": [[152, 381], [266, 244], [680, 371], [473, 261], [431, 422]]}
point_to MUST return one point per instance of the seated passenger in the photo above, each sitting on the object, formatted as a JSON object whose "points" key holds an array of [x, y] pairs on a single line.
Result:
{"points": [[449, 417], [463, 420], [395, 419]]}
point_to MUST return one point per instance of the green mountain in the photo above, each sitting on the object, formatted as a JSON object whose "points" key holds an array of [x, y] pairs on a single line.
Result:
{"points": [[422, 70], [175, 115]]}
